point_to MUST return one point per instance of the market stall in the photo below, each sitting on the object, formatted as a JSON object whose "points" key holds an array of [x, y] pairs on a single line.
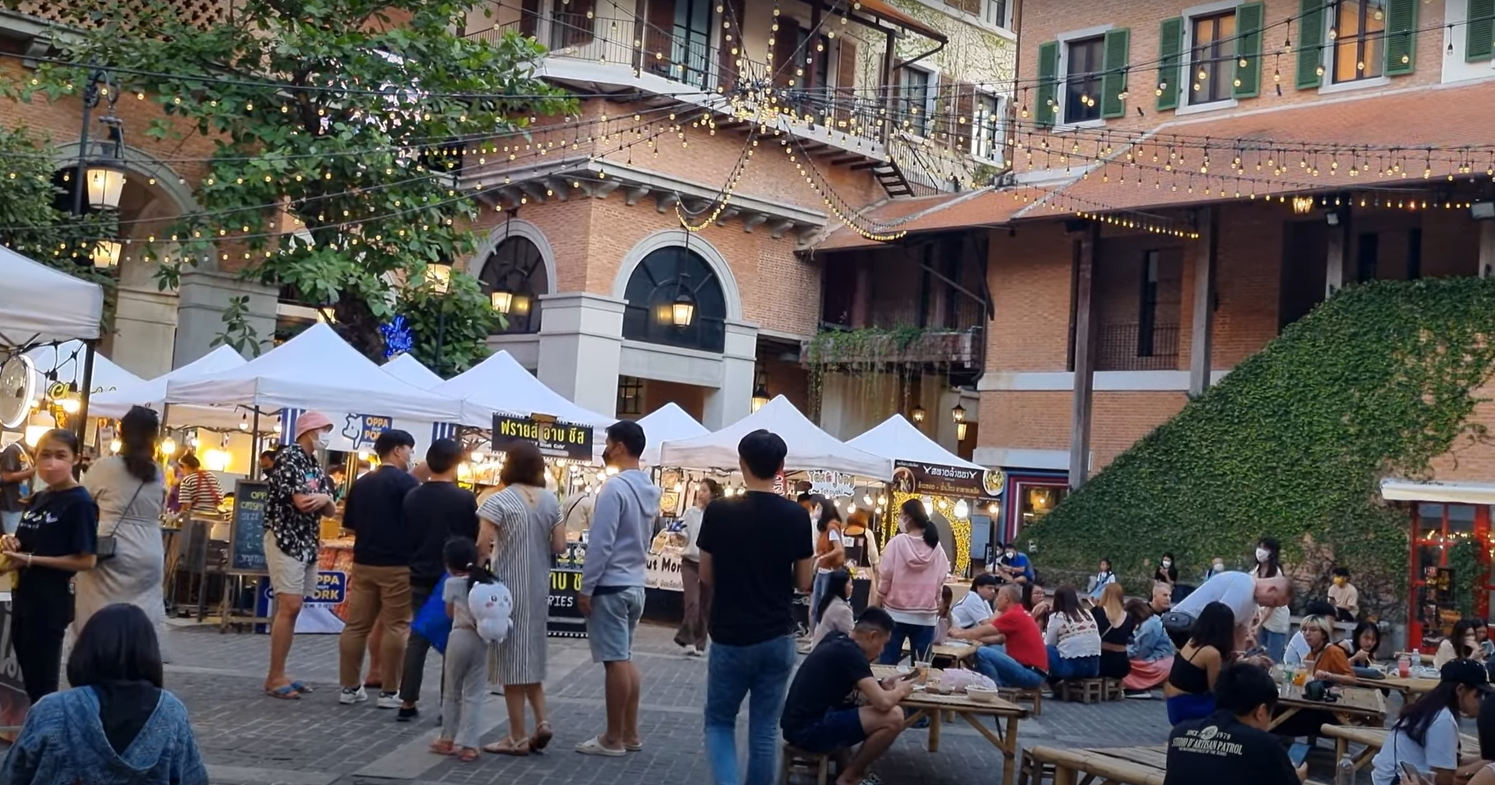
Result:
{"points": [[152, 394], [500, 385], [410, 371]]}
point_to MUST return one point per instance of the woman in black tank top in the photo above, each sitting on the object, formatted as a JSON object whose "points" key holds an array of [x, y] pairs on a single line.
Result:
{"points": [[1191, 682]]}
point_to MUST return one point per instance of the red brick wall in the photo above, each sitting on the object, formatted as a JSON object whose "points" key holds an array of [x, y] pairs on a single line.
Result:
{"points": [[1026, 420], [1119, 419], [1029, 277]]}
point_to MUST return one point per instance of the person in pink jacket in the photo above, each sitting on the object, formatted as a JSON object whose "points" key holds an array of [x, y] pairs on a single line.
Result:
{"points": [[910, 578]]}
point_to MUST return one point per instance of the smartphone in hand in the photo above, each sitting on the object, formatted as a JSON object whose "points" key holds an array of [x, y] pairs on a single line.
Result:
{"points": [[1298, 753]]}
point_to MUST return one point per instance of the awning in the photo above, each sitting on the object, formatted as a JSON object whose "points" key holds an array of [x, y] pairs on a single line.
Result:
{"points": [[888, 13], [1395, 490]]}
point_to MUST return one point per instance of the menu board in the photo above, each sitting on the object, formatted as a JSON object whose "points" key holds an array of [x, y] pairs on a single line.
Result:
{"points": [[246, 539], [564, 619]]}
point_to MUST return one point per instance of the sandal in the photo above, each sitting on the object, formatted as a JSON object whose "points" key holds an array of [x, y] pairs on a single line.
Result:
{"points": [[467, 755], [286, 693], [634, 747], [442, 746], [508, 745], [542, 737], [304, 689], [593, 746]]}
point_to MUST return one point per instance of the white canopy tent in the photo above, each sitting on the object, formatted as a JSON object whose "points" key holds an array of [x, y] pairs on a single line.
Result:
{"points": [[319, 371], [500, 385], [669, 423], [809, 447], [410, 371], [898, 440], [67, 360], [152, 394], [39, 304]]}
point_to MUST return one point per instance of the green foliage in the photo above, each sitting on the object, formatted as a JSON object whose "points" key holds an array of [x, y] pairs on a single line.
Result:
{"points": [[1463, 557], [459, 321], [337, 119], [874, 355], [1292, 444]]}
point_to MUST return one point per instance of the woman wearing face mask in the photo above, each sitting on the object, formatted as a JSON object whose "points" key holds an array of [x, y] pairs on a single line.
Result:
{"points": [[1278, 622], [830, 552], [1167, 571], [909, 581]]}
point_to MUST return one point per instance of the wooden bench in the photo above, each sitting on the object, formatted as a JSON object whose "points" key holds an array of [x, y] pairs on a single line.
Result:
{"points": [[812, 764], [1102, 766], [1033, 695], [1088, 690], [1373, 738]]}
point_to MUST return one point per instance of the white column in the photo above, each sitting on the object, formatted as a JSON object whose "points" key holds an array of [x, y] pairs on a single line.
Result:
{"points": [[732, 400], [581, 338], [203, 297], [1339, 243]]}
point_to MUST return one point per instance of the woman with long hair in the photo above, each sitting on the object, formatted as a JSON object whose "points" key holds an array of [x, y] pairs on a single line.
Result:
{"points": [[130, 489], [1116, 627], [830, 550], [1326, 662], [1150, 652], [524, 527], [1362, 644], [1461, 644], [1426, 734], [909, 580], [834, 611], [1278, 622], [1190, 689], [117, 725], [691, 636], [1072, 638]]}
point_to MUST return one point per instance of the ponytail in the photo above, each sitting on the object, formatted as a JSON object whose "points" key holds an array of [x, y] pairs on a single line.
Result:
{"points": [[914, 509], [138, 430]]}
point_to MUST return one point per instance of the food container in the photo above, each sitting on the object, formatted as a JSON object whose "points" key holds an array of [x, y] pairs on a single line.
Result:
{"points": [[981, 694]]}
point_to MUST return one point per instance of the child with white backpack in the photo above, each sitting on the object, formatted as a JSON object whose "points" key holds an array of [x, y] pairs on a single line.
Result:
{"points": [[480, 608]]}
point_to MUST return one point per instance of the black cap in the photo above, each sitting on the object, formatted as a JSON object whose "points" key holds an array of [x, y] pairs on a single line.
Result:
{"points": [[1466, 672]]}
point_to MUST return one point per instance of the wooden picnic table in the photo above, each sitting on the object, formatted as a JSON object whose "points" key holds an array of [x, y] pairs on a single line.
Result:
{"points": [[1374, 738], [1410, 685], [1147, 765], [935, 706], [1355, 706], [954, 652]]}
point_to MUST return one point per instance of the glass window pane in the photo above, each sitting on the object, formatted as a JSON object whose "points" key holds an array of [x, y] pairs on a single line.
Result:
{"points": [[1460, 519]]}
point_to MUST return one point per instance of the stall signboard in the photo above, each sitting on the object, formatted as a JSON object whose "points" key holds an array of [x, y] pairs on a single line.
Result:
{"points": [[246, 539], [13, 700], [363, 429], [319, 612], [564, 619], [915, 477], [831, 485], [555, 439], [662, 570]]}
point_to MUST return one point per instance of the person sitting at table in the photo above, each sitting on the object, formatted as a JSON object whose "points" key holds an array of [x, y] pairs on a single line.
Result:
{"points": [[1072, 638], [1297, 646], [1361, 647], [1461, 644], [1036, 603], [835, 611], [1150, 653], [1426, 733], [975, 607], [1233, 746], [1343, 595], [1190, 689], [817, 717], [1323, 662], [1116, 627], [1012, 652]]}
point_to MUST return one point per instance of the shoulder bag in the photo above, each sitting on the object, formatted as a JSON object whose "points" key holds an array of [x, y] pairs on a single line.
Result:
{"points": [[104, 548]]}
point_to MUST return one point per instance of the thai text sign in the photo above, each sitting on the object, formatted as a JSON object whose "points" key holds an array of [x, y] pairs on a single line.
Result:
{"points": [[555, 439], [916, 477]]}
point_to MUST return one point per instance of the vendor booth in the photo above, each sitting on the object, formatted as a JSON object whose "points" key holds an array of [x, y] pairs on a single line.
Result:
{"points": [[151, 394], [410, 371]]}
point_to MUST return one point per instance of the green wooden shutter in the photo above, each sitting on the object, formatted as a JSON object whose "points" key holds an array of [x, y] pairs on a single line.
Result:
{"points": [[1479, 33], [1310, 43], [1113, 83], [1170, 56], [1045, 111], [1401, 36], [1248, 21]]}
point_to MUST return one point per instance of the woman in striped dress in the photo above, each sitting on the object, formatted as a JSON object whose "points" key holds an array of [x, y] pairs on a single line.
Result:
{"points": [[522, 529]]}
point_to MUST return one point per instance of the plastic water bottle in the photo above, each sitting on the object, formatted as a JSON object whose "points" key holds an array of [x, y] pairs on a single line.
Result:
{"points": [[1344, 771]]}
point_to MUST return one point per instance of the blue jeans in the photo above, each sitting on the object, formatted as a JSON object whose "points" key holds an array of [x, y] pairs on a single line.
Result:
{"points": [[1072, 668], [732, 673], [10, 520], [1275, 643], [994, 663], [920, 638], [817, 590]]}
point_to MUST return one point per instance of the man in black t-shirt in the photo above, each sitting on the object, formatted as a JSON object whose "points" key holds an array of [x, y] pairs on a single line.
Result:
{"points": [[821, 714], [435, 512], [1232, 746], [755, 551]]}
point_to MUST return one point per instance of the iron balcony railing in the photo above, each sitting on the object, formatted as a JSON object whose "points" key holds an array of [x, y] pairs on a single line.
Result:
{"points": [[1133, 347]]}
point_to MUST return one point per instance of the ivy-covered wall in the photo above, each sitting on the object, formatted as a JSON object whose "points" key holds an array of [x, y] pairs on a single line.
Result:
{"points": [[1375, 382]]}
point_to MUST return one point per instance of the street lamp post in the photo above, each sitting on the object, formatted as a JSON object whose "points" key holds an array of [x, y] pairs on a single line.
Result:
{"points": [[439, 276]]}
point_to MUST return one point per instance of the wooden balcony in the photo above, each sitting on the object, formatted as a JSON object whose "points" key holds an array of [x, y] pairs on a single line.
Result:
{"points": [[963, 348]]}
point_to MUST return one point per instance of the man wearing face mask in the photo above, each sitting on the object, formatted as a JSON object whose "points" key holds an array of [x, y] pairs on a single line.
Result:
{"points": [[1014, 567], [379, 588], [299, 495]]}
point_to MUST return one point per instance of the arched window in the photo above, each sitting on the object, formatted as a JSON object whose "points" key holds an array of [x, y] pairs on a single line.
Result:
{"points": [[516, 271], [674, 298]]}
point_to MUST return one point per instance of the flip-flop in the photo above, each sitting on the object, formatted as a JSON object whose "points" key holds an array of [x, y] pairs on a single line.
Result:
{"points": [[633, 747], [442, 747], [286, 693], [302, 688], [467, 755], [593, 746]]}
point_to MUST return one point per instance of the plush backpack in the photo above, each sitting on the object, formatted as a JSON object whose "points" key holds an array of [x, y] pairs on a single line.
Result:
{"points": [[491, 605]]}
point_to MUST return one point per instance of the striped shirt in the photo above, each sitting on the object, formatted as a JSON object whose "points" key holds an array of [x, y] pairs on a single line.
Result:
{"points": [[199, 492]]}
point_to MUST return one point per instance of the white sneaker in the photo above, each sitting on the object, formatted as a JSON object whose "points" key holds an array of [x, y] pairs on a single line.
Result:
{"points": [[389, 700], [348, 697], [691, 651]]}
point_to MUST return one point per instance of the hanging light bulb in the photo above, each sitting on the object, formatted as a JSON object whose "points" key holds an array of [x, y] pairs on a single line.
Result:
{"points": [[244, 422], [962, 510]]}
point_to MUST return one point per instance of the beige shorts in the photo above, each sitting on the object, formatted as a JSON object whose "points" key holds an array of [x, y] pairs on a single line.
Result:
{"points": [[289, 575]]}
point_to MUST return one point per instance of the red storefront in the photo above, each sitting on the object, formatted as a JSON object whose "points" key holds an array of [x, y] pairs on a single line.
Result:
{"points": [[1451, 553]]}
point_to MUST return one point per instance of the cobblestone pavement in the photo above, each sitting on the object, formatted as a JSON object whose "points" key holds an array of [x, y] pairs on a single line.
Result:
{"points": [[250, 739]]}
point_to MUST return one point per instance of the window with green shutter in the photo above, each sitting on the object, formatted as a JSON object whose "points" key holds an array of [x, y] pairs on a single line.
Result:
{"points": [[1310, 43], [1248, 22], [1401, 36], [1113, 82], [1046, 107], [1479, 32], [1170, 55]]}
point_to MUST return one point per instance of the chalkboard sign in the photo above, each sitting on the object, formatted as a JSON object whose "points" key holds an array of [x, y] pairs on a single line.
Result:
{"points": [[564, 617], [246, 539]]}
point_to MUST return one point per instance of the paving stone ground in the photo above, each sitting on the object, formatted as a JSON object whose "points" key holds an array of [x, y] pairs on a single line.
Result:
{"points": [[250, 739]]}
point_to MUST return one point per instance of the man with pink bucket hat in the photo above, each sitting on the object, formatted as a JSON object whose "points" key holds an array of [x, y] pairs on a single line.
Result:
{"points": [[300, 494]]}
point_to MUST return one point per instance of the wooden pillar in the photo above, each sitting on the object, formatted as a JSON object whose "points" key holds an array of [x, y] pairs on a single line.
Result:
{"points": [[1339, 246], [861, 295], [890, 82], [1084, 384], [1201, 346], [809, 53], [1486, 248]]}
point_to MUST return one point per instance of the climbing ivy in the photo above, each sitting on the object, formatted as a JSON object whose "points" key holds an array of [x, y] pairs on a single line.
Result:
{"points": [[873, 355], [1375, 382]]}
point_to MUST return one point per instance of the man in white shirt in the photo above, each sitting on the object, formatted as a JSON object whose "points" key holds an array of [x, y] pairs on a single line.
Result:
{"points": [[1243, 593], [975, 607]]}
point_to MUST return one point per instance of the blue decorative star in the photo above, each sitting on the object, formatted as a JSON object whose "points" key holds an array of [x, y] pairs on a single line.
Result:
{"points": [[398, 337]]}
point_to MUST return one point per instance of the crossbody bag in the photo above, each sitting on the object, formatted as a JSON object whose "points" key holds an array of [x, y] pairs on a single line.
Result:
{"points": [[104, 548]]}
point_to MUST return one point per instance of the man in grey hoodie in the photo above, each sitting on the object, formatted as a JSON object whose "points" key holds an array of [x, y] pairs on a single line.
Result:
{"points": [[612, 584]]}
